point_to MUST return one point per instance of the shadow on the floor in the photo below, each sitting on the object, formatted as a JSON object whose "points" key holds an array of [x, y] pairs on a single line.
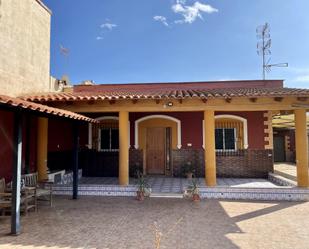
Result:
{"points": [[126, 223], [265, 211]]}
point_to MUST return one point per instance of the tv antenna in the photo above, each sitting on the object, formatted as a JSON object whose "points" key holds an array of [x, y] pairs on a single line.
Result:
{"points": [[263, 48]]}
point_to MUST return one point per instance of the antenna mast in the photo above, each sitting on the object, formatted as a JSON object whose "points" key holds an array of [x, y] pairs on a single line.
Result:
{"points": [[263, 48]]}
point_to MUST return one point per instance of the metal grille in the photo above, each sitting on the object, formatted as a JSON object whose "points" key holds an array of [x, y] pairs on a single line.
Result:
{"points": [[225, 127], [106, 126]]}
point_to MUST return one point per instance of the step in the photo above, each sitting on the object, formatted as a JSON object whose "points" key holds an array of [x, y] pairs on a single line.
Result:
{"points": [[166, 195]]}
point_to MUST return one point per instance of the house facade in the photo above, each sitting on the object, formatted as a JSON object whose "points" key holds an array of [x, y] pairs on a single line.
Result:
{"points": [[220, 129], [217, 128]]}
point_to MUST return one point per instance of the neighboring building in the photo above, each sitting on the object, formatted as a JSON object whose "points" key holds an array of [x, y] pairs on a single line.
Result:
{"points": [[24, 47], [284, 137]]}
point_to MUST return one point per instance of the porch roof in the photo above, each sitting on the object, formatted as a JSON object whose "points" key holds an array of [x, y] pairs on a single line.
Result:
{"points": [[161, 91], [17, 103]]}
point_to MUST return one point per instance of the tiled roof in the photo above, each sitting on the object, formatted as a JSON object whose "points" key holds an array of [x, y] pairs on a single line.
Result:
{"points": [[23, 104], [168, 93]]}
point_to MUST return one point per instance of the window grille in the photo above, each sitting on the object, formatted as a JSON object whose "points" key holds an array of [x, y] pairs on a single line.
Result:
{"points": [[105, 136], [229, 137]]}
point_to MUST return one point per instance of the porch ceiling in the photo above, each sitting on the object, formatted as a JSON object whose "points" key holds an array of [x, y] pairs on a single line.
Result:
{"points": [[285, 121]]}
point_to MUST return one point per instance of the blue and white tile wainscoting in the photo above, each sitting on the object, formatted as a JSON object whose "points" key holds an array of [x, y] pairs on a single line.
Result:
{"points": [[228, 188]]}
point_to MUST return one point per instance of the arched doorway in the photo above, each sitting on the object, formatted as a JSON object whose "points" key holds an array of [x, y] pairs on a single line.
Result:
{"points": [[157, 135]]}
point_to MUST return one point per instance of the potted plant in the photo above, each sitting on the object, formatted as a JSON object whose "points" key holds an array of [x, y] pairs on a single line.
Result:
{"points": [[142, 187], [188, 170], [194, 190]]}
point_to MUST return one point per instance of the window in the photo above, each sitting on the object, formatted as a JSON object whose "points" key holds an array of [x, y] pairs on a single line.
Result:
{"points": [[109, 139], [225, 138]]}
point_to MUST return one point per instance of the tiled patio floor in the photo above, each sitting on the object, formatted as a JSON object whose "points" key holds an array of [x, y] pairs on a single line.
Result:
{"points": [[177, 185], [124, 223], [287, 170]]}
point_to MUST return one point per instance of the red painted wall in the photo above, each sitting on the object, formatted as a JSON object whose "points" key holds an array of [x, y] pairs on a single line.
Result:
{"points": [[60, 136], [191, 126], [29, 143], [255, 121], [60, 132], [6, 144]]}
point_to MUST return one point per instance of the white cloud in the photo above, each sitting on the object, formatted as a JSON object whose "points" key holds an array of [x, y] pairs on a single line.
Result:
{"points": [[99, 38], [108, 25], [191, 13], [302, 78], [161, 19]]}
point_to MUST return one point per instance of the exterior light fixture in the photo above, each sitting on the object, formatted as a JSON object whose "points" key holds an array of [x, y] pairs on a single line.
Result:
{"points": [[168, 104]]}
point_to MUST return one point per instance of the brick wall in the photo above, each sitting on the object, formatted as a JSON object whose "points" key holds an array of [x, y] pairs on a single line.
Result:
{"points": [[135, 161], [183, 156], [252, 163], [248, 163]]}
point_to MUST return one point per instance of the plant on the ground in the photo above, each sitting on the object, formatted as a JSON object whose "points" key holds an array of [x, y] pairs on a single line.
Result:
{"points": [[194, 190], [159, 235], [188, 169], [142, 186]]}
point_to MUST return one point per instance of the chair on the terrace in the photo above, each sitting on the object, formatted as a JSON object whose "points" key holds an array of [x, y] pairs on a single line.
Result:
{"points": [[27, 199], [44, 190], [5, 198]]}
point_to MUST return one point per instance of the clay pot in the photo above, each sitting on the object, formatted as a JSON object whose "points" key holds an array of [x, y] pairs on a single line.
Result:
{"points": [[196, 197], [140, 195]]}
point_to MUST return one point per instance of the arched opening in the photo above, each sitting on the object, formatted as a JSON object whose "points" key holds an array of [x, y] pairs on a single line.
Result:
{"points": [[231, 132], [155, 121], [156, 136]]}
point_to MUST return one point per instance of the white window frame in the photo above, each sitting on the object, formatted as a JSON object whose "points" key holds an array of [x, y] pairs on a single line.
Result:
{"points": [[110, 140], [229, 116], [235, 140], [99, 131]]}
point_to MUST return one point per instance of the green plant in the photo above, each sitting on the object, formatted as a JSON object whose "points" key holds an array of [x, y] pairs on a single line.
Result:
{"points": [[193, 188], [142, 184]]}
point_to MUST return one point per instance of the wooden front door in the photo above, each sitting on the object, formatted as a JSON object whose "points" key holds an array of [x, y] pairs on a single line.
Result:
{"points": [[155, 150]]}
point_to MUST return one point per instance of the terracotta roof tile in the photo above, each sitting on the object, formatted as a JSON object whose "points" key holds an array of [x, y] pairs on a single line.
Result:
{"points": [[19, 103], [171, 94]]}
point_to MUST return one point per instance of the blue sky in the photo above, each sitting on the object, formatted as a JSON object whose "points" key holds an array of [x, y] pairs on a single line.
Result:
{"points": [[117, 41]]}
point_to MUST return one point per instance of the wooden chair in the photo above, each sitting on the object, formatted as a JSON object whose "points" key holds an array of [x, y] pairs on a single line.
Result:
{"points": [[44, 190], [27, 200], [5, 198]]}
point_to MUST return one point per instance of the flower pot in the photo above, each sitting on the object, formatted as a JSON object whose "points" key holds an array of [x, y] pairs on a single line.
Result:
{"points": [[140, 195], [196, 197]]}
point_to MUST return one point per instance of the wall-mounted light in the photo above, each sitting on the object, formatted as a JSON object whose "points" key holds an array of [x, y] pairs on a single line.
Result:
{"points": [[168, 104]]}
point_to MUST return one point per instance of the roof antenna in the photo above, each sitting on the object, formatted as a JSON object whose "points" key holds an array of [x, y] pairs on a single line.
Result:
{"points": [[263, 48]]}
